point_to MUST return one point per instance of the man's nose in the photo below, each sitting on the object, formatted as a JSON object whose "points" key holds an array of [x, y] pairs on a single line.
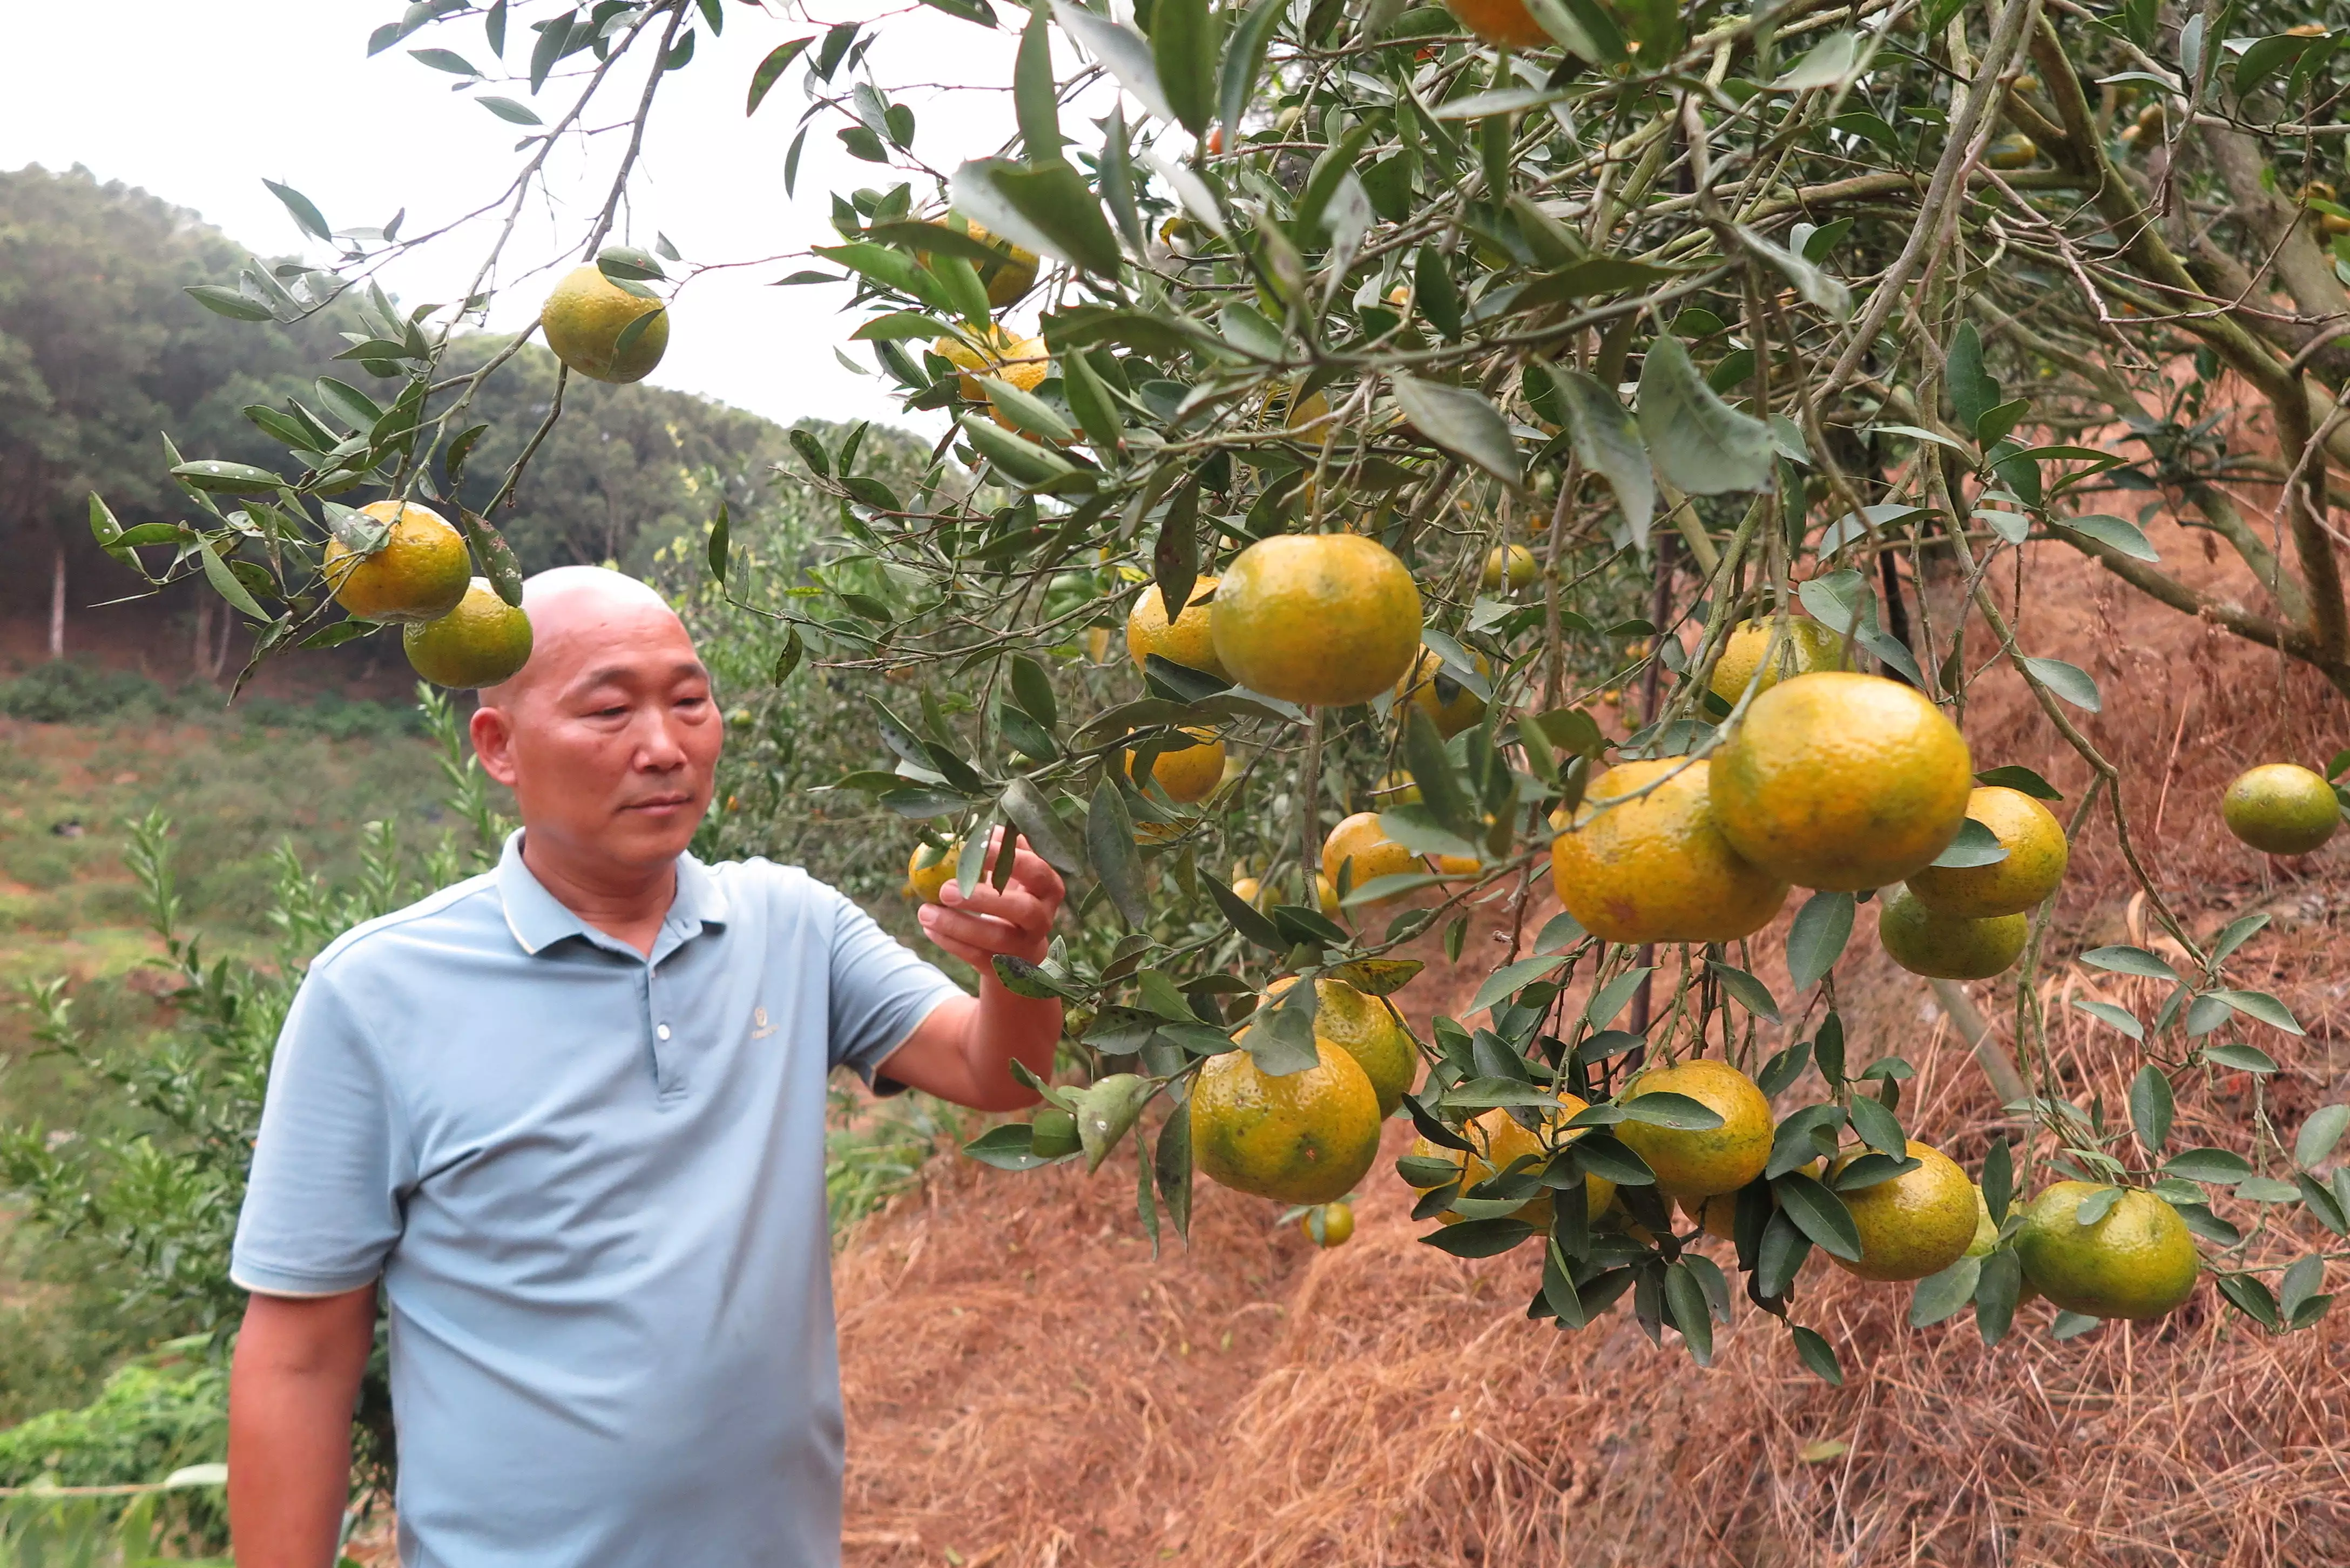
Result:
{"points": [[659, 748]]}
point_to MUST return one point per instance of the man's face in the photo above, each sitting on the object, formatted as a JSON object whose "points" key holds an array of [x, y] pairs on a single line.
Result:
{"points": [[610, 737]]}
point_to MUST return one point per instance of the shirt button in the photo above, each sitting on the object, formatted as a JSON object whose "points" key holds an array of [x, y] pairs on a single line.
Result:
{"points": [[661, 1033]]}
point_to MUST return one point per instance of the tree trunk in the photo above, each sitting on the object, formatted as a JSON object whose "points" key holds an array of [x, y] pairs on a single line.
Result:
{"points": [[58, 602]]}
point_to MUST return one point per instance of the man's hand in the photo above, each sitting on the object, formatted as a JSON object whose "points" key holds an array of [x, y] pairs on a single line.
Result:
{"points": [[1016, 919], [964, 1050]]}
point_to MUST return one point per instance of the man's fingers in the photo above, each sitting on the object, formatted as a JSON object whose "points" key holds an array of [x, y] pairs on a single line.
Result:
{"points": [[950, 927], [1029, 869], [1013, 904]]}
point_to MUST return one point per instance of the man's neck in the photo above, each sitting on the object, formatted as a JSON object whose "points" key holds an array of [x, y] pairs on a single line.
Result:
{"points": [[626, 903]]}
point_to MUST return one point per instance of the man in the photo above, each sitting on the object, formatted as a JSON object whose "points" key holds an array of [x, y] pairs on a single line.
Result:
{"points": [[570, 1115]]}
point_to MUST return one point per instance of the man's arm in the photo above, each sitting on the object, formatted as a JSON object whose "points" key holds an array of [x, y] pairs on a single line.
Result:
{"points": [[963, 1050], [290, 1394]]}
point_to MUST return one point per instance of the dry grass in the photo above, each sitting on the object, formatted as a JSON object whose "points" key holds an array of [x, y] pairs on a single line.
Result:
{"points": [[1384, 1405]]}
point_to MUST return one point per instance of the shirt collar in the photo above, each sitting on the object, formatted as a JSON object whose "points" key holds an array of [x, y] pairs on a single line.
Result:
{"points": [[538, 920]]}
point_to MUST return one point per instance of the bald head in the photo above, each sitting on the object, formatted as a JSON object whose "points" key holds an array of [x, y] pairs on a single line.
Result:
{"points": [[609, 736], [576, 610]]}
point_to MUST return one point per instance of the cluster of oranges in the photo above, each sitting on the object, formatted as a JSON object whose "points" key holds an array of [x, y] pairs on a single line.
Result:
{"points": [[456, 629]]}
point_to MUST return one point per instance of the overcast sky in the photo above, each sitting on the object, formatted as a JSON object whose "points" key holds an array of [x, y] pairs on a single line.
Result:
{"points": [[198, 103]]}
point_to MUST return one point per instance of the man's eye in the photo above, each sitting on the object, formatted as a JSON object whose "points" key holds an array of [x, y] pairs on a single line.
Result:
{"points": [[611, 713]]}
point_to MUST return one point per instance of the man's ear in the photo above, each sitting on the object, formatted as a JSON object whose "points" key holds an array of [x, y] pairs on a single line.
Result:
{"points": [[492, 732]]}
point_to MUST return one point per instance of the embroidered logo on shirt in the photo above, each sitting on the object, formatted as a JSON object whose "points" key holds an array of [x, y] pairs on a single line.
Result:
{"points": [[763, 1028]]}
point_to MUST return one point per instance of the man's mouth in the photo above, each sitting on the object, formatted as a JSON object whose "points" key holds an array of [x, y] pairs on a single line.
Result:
{"points": [[659, 803]]}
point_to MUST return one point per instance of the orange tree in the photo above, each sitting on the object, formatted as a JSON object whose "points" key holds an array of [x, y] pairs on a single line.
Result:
{"points": [[1723, 361]]}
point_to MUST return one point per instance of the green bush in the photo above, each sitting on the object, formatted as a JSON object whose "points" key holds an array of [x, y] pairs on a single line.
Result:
{"points": [[73, 691], [152, 1417]]}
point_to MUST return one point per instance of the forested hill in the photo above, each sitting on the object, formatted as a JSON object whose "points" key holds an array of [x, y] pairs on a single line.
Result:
{"points": [[102, 350]]}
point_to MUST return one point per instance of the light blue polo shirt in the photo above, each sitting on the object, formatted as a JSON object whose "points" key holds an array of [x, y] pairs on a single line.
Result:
{"points": [[593, 1186]]}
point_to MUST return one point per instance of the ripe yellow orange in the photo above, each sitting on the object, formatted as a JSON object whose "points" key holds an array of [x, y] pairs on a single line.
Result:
{"points": [[1248, 890], [1699, 1163], [1510, 564], [1501, 1141], [929, 870], [1807, 645], [1918, 1223], [1657, 868], [1319, 618], [1189, 643], [1006, 279], [1367, 1029], [1358, 840], [422, 572], [1394, 789], [2137, 1262], [2037, 853], [583, 320], [1949, 947], [1325, 894], [1452, 706], [1304, 1138], [989, 352], [2282, 809], [2013, 150], [482, 641], [1330, 1224], [1459, 864], [1841, 781], [1191, 776], [1507, 22]]}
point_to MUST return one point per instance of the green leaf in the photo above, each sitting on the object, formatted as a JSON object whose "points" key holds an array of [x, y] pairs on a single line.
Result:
{"points": [[1817, 938], [1510, 980], [1105, 1113], [2151, 1108], [2069, 681], [1612, 998], [1090, 399], [2116, 533], [1432, 289], [719, 531], [1829, 63], [1243, 58], [1972, 392], [225, 583], [1121, 50], [507, 109], [2319, 1134], [1666, 1109], [218, 477], [2130, 960], [627, 263], [1171, 1168], [1940, 1297], [1379, 977], [1976, 845], [1244, 918], [1817, 1355], [1877, 1126], [1035, 98], [305, 212], [1819, 1213], [2261, 1005], [1441, 792], [1006, 1148], [1685, 1300], [1829, 293], [229, 302], [1463, 424], [2207, 1164], [1109, 837], [1750, 994], [1027, 410], [1021, 461], [2021, 779], [1183, 51], [2243, 1058], [2105, 1011], [1479, 1238], [1700, 444], [1033, 814], [1048, 208]]}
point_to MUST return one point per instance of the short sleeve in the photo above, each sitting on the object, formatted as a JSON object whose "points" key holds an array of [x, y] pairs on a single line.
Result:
{"points": [[322, 1209], [881, 990]]}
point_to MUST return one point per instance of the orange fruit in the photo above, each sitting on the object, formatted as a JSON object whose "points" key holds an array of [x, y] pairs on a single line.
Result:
{"points": [[1189, 643], [1247, 890], [929, 870], [1510, 564], [2013, 150], [482, 641], [2137, 1262], [1501, 1139], [2282, 809], [1506, 23], [1191, 776], [1699, 1163], [1373, 853], [583, 320], [1318, 618], [1949, 947], [421, 573], [1304, 1138], [1807, 645], [1367, 1029], [989, 352], [1007, 279], [1452, 706], [1330, 1224], [1657, 868], [2037, 853], [1841, 781], [1918, 1223], [1325, 894]]}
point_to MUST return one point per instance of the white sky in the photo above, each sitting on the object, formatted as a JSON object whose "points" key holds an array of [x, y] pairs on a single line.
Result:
{"points": [[198, 103]]}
